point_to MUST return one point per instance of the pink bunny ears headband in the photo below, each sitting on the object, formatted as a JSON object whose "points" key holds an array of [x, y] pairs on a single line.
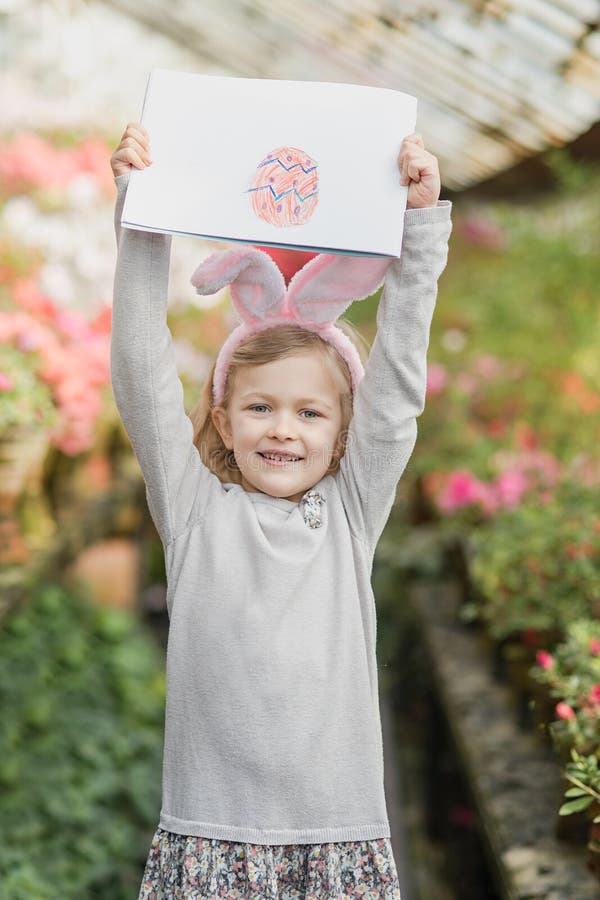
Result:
{"points": [[316, 295]]}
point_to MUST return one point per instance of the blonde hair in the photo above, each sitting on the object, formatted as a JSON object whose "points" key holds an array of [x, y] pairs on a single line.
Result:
{"points": [[264, 347]]}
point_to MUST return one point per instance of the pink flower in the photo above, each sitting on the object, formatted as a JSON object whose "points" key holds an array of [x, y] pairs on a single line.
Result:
{"points": [[27, 341], [564, 711], [72, 324], [466, 383], [487, 366], [93, 156], [102, 323], [541, 463], [478, 230], [437, 378], [594, 695], [544, 659], [30, 160], [27, 294], [6, 383], [594, 646], [464, 489], [510, 487]]}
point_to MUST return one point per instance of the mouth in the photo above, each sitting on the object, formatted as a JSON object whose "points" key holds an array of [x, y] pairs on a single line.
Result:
{"points": [[280, 459]]}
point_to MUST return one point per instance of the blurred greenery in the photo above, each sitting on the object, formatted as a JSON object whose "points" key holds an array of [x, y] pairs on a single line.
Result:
{"points": [[572, 675], [538, 567], [520, 297], [82, 695]]}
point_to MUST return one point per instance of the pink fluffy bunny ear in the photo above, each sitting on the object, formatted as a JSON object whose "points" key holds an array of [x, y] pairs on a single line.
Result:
{"points": [[328, 284], [256, 284]]}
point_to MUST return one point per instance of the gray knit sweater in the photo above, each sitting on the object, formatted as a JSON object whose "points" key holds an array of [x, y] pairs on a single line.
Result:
{"points": [[272, 729]]}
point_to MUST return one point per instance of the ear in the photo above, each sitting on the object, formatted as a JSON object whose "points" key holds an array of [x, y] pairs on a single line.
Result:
{"points": [[257, 285], [328, 284], [220, 419]]}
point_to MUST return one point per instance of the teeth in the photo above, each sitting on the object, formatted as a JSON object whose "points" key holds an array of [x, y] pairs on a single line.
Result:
{"points": [[279, 458]]}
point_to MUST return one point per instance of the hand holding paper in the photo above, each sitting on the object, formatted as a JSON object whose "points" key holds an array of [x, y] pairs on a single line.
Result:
{"points": [[419, 170], [308, 165], [133, 150]]}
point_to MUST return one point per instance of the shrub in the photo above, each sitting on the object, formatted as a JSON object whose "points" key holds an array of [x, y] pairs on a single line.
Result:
{"points": [[82, 697]]}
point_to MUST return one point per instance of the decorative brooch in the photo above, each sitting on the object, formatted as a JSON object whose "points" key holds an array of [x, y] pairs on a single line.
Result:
{"points": [[311, 509]]}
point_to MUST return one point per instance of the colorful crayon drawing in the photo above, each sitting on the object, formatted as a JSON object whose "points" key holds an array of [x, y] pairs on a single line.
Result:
{"points": [[285, 189]]}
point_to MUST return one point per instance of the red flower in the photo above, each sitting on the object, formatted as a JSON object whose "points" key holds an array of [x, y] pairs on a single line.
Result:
{"points": [[525, 436], [575, 386], [594, 646], [594, 695], [544, 659], [497, 428], [564, 711], [531, 637], [463, 489]]}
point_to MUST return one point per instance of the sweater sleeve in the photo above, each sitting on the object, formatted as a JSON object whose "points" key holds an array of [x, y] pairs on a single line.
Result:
{"points": [[391, 395], [146, 386]]}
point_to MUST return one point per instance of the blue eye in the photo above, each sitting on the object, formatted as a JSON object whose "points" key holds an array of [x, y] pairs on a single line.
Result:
{"points": [[312, 413], [258, 406]]}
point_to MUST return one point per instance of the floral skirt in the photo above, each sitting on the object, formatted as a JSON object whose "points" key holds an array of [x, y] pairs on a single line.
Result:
{"points": [[196, 868]]}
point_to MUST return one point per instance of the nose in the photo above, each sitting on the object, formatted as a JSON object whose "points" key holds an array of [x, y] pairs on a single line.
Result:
{"points": [[283, 426]]}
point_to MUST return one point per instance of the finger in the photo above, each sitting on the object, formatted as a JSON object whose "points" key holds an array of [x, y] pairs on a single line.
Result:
{"points": [[139, 137], [411, 144], [402, 163], [414, 170], [135, 126], [131, 156], [412, 160], [404, 176], [415, 176], [136, 139], [415, 138], [132, 133], [140, 147], [421, 158]]}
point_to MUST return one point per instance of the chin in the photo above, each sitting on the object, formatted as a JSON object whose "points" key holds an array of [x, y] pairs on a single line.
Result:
{"points": [[285, 491]]}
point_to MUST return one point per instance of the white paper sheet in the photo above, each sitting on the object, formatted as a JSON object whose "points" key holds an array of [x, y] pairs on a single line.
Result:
{"points": [[333, 185]]}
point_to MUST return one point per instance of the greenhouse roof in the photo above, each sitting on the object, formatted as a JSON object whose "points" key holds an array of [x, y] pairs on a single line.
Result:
{"points": [[497, 80]]}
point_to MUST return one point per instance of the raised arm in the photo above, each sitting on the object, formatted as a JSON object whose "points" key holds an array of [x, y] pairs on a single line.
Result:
{"points": [[147, 389], [391, 395]]}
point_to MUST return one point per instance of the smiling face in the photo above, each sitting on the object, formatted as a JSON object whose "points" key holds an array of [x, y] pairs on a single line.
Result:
{"points": [[283, 423]]}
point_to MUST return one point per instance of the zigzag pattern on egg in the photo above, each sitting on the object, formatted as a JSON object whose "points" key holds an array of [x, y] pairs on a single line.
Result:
{"points": [[285, 189]]}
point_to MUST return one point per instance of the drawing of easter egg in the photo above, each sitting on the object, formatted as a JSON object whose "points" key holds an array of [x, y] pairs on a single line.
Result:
{"points": [[285, 189]]}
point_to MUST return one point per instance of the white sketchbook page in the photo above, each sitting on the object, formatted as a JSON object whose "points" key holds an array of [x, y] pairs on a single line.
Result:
{"points": [[209, 133]]}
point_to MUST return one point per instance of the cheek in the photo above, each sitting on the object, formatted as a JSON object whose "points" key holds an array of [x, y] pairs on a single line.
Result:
{"points": [[330, 436], [246, 431]]}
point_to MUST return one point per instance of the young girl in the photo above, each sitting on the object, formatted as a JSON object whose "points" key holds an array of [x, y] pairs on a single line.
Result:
{"points": [[269, 512]]}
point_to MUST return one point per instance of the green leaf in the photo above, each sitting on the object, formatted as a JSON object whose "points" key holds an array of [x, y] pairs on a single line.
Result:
{"points": [[575, 806], [576, 792]]}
